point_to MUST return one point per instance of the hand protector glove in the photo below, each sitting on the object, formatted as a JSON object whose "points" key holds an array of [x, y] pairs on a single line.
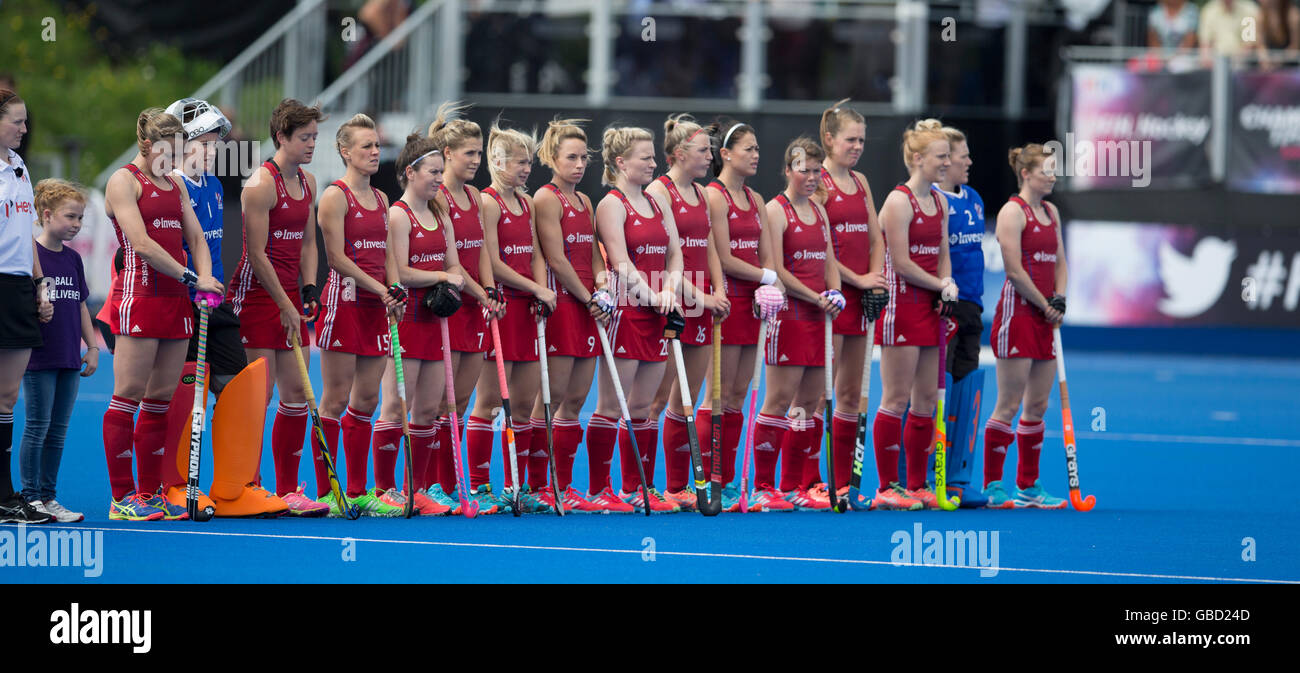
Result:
{"points": [[836, 298], [442, 299]]}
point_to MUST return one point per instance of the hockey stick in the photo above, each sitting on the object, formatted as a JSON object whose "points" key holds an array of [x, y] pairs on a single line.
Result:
{"points": [[409, 491], [546, 406], [941, 428], [715, 382], [1077, 500], [347, 508], [468, 507], [627, 416], [709, 505], [830, 414], [752, 396], [515, 500], [197, 412], [855, 500]]}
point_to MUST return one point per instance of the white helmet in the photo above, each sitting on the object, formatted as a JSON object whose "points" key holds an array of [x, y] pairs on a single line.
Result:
{"points": [[199, 117]]}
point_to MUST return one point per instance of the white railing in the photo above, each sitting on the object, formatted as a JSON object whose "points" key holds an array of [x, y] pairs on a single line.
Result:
{"points": [[288, 60]]}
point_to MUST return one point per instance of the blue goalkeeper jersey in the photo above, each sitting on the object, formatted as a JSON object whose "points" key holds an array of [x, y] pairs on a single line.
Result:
{"points": [[205, 199], [966, 242]]}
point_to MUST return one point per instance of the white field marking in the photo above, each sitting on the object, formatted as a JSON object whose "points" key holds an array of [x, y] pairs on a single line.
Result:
{"points": [[750, 557], [1181, 439]]}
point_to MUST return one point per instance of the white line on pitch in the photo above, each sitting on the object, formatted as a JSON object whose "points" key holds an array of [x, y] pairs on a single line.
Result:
{"points": [[752, 557]]}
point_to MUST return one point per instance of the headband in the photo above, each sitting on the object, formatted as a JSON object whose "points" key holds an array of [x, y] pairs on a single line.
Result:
{"points": [[697, 132], [422, 156], [729, 132]]}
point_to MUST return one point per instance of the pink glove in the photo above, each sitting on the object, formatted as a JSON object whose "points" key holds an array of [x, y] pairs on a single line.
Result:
{"points": [[212, 299], [768, 302]]}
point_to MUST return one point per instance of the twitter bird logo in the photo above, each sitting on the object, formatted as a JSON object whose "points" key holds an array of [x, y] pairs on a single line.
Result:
{"points": [[1193, 284]]}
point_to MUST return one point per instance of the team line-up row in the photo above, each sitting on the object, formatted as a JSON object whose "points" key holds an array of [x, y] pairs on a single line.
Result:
{"points": [[491, 292]]}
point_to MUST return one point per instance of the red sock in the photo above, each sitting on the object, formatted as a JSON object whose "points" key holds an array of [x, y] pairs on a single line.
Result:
{"points": [[769, 436], [793, 454], [812, 443], [631, 478], [523, 446], [150, 433], [568, 435], [732, 424], [539, 456], [1029, 437], [677, 451], [479, 438], [844, 435], [704, 430], [647, 439], [601, 433], [997, 439], [886, 436], [422, 438], [331, 428], [119, 428], [286, 445], [387, 440], [918, 437], [443, 465], [355, 427]]}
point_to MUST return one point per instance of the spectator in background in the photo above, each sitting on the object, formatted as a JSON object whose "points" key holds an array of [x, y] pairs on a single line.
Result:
{"points": [[1172, 25], [1278, 28], [1222, 24]]}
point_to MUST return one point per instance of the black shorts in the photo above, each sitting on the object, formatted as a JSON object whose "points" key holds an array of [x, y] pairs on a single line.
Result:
{"points": [[964, 350], [20, 322], [226, 355]]}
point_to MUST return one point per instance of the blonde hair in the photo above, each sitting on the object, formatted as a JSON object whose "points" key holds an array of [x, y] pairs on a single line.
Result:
{"points": [[558, 131], [616, 142], [503, 144], [810, 152], [680, 129], [52, 192], [153, 125], [919, 136], [1027, 158], [449, 130], [953, 135], [343, 138], [835, 118]]}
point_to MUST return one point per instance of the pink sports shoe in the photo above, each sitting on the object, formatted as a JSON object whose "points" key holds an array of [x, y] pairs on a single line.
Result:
{"points": [[302, 506]]}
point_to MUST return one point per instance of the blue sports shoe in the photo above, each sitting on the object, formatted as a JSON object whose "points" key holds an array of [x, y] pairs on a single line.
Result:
{"points": [[488, 503], [133, 507], [971, 498], [1036, 497], [730, 498], [436, 494], [170, 512], [997, 497]]}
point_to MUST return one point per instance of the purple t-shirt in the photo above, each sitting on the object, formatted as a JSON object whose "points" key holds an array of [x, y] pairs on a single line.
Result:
{"points": [[62, 334]]}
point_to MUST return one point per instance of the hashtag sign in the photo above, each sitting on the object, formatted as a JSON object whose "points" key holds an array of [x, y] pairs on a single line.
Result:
{"points": [[1269, 272]]}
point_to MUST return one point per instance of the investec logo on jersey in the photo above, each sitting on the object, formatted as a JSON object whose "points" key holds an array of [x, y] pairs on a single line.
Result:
{"points": [[1041, 256], [744, 245], [461, 243], [651, 249], [427, 257], [370, 245], [963, 239], [819, 254], [580, 238], [851, 228], [520, 249], [688, 242], [288, 235], [918, 249], [166, 223]]}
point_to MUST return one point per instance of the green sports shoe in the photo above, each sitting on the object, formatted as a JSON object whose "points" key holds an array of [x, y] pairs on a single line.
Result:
{"points": [[997, 495], [328, 499], [370, 505], [1037, 498]]}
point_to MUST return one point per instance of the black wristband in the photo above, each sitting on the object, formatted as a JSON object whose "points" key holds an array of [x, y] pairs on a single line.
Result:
{"points": [[190, 278], [309, 294]]}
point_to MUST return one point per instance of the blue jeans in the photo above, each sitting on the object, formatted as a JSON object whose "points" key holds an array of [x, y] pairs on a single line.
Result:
{"points": [[50, 395]]}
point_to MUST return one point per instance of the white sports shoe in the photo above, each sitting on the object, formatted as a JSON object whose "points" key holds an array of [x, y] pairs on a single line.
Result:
{"points": [[59, 512]]}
